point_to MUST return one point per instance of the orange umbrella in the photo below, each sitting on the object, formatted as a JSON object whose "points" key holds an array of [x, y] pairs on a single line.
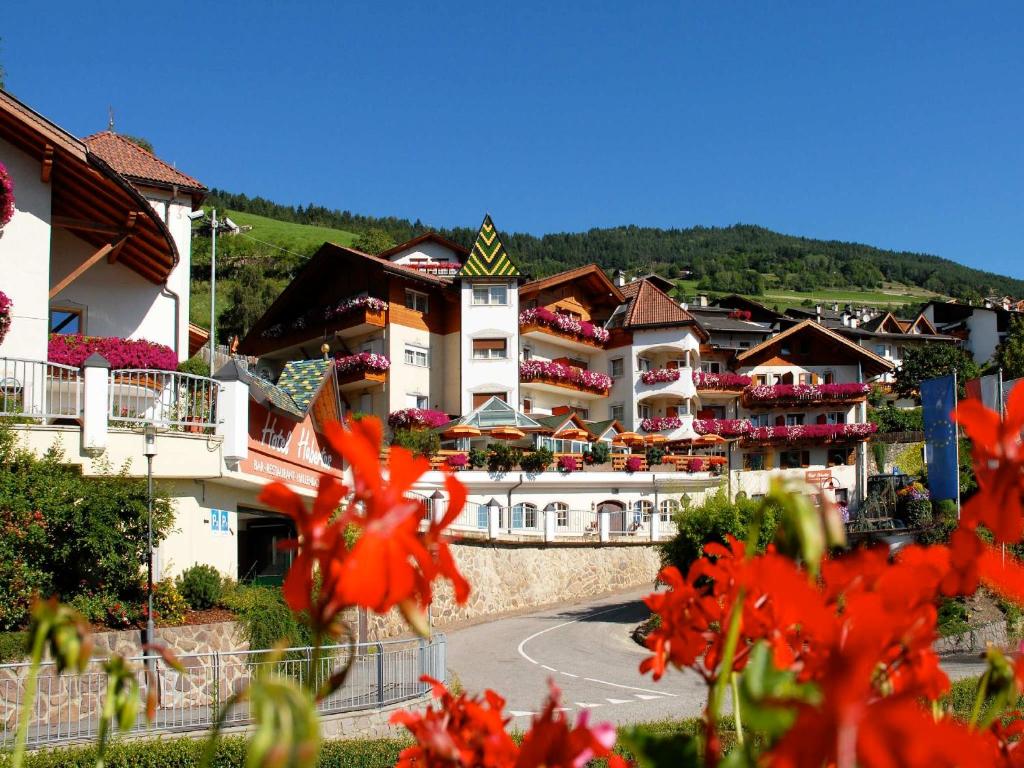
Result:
{"points": [[462, 430], [626, 438], [573, 434], [710, 439], [507, 433], [656, 439]]}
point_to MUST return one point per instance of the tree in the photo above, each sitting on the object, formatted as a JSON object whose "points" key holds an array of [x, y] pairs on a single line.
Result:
{"points": [[929, 361], [138, 141], [373, 241], [251, 294], [1010, 354]]}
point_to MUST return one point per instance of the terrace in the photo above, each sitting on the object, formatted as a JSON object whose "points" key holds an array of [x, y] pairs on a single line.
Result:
{"points": [[570, 331], [361, 369], [556, 377]]}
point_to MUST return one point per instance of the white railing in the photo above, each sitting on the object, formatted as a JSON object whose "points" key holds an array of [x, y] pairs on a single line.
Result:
{"points": [[180, 401], [67, 707], [576, 522], [39, 390]]}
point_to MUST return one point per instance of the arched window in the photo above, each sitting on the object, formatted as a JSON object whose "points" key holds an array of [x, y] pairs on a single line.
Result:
{"points": [[481, 516], [642, 511], [561, 510], [668, 509], [524, 516]]}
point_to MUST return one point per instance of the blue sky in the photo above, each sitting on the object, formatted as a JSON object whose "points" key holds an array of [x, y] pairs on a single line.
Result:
{"points": [[894, 124]]}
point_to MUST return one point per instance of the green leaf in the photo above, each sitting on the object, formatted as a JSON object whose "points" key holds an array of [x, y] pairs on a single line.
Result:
{"points": [[660, 750], [767, 694]]}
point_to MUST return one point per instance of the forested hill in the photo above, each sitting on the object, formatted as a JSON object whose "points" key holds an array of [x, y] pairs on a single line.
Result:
{"points": [[742, 258]]}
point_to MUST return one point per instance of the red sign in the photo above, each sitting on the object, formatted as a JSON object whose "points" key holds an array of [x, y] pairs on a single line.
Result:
{"points": [[820, 478], [281, 448]]}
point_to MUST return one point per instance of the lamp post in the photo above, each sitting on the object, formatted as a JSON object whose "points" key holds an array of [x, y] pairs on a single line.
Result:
{"points": [[149, 451]]}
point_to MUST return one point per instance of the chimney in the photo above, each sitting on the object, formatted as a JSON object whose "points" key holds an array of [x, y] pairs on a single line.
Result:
{"points": [[620, 278], [817, 309], [702, 299]]}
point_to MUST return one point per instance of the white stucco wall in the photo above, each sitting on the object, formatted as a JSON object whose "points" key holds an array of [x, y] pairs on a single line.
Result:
{"points": [[405, 379], [25, 257], [984, 335], [485, 322], [174, 213], [430, 251]]}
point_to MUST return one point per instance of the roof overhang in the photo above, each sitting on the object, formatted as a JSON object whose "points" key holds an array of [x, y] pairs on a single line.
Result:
{"points": [[871, 364]]}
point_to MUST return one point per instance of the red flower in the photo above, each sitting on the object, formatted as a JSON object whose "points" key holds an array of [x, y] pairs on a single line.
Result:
{"points": [[686, 615], [462, 731], [998, 463], [551, 743]]}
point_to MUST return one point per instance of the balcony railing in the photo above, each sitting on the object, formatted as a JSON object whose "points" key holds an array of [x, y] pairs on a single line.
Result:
{"points": [[565, 376], [362, 365], [720, 382], [765, 394], [180, 401], [823, 433], [723, 427], [563, 325], [38, 390]]}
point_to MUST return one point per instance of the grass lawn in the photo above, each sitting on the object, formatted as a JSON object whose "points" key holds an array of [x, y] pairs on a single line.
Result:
{"points": [[890, 295], [303, 238]]}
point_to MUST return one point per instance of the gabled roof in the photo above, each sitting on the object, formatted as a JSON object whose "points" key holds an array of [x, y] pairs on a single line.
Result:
{"points": [[488, 257], [497, 413], [735, 301], [425, 237], [872, 364], [135, 163], [559, 422], [599, 428], [589, 273], [649, 307], [926, 323], [662, 282], [302, 380]]}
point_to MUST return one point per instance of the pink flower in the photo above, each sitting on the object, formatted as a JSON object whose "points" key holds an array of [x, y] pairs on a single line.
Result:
{"points": [[634, 464], [367, 362], [457, 461], [765, 393], [810, 432], [74, 349], [661, 423], [530, 370], [660, 376], [353, 303], [6, 196], [564, 323], [567, 464], [417, 418], [729, 382], [722, 427]]}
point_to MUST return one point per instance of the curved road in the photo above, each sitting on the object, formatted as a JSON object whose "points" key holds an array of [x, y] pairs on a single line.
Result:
{"points": [[587, 651]]}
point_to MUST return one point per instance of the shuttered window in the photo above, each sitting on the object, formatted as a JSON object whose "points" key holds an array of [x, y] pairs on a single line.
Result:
{"points": [[490, 349]]}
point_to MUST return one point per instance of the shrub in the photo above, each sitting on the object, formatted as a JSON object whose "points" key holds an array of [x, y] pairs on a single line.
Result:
{"points": [[879, 451], [478, 458], [503, 457], [169, 607], [457, 461], [892, 419], [943, 523], [917, 513], [599, 453], [200, 585], [633, 464], [196, 366], [952, 617], [537, 461], [655, 454], [264, 616], [567, 464], [122, 614], [421, 442], [12, 646]]}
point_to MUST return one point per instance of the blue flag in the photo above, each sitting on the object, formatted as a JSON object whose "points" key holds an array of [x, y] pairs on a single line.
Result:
{"points": [[938, 399]]}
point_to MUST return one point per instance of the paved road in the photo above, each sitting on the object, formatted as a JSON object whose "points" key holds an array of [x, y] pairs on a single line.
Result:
{"points": [[586, 649]]}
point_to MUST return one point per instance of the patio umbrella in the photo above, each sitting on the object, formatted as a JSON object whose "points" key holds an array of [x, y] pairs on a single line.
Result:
{"points": [[656, 439], [573, 434], [710, 440], [627, 438], [462, 430], [507, 433]]}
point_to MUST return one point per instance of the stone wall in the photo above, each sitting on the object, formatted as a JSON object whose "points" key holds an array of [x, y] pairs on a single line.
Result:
{"points": [[511, 576], [974, 639]]}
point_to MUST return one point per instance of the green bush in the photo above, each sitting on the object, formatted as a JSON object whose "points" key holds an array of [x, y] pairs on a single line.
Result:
{"points": [[917, 513], [169, 607], [502, 457], [599, 453], [944, 522], [537, 461], [196, 366], [892, 419], [654, 455], [713, 521], [67, 534], [952, 617], [264, 616], [422, 442], [879, 451], [201, 586], [12, 646], [478, 458]]}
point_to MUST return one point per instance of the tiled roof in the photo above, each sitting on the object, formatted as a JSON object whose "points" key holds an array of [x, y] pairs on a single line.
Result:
{"points": [[133, 162], [651, 306], [488, 257], [302, 379], [266, 391]]}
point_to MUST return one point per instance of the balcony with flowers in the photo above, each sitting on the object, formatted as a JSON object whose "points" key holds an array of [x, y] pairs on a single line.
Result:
{"points": [[417, 418], [579, 335], [361, 369], [729, 383], [671, 427], [727, 428], [816, 433], [665, 382], [356, 315], [557, 377], [804, 394]]}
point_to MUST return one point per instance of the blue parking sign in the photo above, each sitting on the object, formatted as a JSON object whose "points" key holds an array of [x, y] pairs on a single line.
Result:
{"points": [[215, 520], [224, 528]]}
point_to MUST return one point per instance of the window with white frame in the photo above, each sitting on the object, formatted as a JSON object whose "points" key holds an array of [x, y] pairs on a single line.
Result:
{"points": [[642, 510], [491, 293], [524, 516], [618, 412], [416, 300], [413, 400], [760, 420], [616, 367], [490, 349], [643, 411], [835, 417], [643, 364], [418, 356], [710, 366], [668, 509], [561, 511]]}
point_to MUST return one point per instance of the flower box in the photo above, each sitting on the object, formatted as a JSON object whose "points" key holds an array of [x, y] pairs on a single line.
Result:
{"points": [[417, 418], [353, 303], [567, 464], [660, 376], [661, 423], [816, 432], [722, 427], [805, 393], [569, 375], [362, 362], [720, 382], [75, 349], [564, 324], [5, 314]]}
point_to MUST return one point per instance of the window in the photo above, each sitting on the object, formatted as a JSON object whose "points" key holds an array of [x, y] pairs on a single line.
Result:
{"points": [[711, 366], [615, 367], [805, 378], [490, 349], [417, 356], [753, 461], [785, 350], [643, 411], [794, 419], [561, 511], [496, 293], [416, 300], [794, 459], [524, 516], [416, 401], [830, 377], [761, 420], [583, 413], [66, 321], [835, 417], [643, 364], [479, 398], [481, 516], [668, 509], [760, 379], [642, 511], [618, 412], [838, 457], [527, 353], [527, 405]]}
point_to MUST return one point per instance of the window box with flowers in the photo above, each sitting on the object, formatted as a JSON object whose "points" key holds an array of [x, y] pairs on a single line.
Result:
{"points": [[368, 304], [417, 418], [660, 376], [722, 427], [565, 376], [136, 354], [812, 432], [6, 196], [362, 365], [661, 423], [563, 325], [720, 382], [765, 394], [5, 315]]}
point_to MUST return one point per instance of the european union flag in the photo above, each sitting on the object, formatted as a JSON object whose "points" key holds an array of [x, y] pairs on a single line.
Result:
{"points": [[938, 399]]}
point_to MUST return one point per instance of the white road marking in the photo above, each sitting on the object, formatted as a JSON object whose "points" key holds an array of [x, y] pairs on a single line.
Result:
{"points": [[620, 701], [629, 687], [519, 713], [557, 626], [563, 709], [645, 697], [569, 674], [584, 705], [549, 669]]}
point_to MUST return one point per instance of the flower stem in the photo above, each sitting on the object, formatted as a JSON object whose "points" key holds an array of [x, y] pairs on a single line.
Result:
{"points": [[728, 654], [38, 641], [734, 682], [979, 699]]}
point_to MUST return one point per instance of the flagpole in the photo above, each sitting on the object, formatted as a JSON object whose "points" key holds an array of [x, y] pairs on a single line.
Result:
{"points": [[956, 439]]}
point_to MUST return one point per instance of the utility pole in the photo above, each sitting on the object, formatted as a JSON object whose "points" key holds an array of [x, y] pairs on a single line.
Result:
{"points": [[213, 286]]}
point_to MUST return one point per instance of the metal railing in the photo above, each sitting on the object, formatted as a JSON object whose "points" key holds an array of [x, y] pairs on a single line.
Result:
{"points": [[181, 401], [577, 522], [39, 390], [67, 707]]}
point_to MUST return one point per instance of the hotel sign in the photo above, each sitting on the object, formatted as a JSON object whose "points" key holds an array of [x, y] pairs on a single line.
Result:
{"points": [[282, 448]]}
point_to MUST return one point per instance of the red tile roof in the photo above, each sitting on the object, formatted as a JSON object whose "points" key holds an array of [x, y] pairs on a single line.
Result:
{"points": [[135, 163], [650, 306]]}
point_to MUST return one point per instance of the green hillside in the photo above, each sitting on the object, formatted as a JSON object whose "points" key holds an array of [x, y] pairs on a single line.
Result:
{"points": [[294, 236]]}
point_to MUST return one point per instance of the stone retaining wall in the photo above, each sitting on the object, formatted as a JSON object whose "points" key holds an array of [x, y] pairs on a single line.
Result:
{"points": [[512, 576], [974, 639]]}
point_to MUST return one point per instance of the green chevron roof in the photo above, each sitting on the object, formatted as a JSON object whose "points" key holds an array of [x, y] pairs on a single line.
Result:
{"points": [[488, 257], [302, 379]]}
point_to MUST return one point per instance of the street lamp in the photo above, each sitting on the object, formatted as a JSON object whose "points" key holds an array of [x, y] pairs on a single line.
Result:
{"points": [[149, 451]]}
